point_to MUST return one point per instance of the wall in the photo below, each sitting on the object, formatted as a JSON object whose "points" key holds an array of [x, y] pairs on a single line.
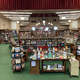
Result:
{"points": [[75, 20], [17, 26], [50, 19], [4, 23]]}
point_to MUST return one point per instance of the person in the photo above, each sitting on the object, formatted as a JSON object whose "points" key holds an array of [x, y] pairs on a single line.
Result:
{"points": [[6, 39]]}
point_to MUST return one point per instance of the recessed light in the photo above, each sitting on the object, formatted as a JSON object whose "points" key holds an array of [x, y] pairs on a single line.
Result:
{"points": [[43, 22], [17, 21], [69, 20]]}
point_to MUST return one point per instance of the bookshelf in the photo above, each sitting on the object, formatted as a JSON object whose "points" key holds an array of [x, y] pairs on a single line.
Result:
{"points": [[5, 33], [43, 41]]}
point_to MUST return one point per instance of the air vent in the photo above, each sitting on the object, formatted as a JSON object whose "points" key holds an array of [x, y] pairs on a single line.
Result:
{"points": [[32, 21], [43, 19], [35, 21], [54, 19]]}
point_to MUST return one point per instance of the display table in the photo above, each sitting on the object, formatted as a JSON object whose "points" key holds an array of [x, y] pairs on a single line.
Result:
{"points": [[36, 68], [64, 64]]}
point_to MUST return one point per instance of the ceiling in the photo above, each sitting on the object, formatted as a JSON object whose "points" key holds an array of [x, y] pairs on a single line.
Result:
{"points": [[33, 16]]}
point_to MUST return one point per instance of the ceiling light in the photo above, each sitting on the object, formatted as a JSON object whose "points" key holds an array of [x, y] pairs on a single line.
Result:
{"points": [[63, 22], [67, 12], [43, 22], [7, 12], [48, 22], [25, 22], [16, 12], [17, 21], [69, 20], [63, 17], [16, 15], [22, 18], [51, 24]]}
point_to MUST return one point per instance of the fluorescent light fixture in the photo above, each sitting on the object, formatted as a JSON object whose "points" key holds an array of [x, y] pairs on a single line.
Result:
{"points": [[67, 12], [43, 22], [7, 12], [17, 21], [69, 20], [22, 18], [48, 22], [55, 28], [63, 17], [63, 22], [46, 29], [17, 15], [25, 22], [33, 28], [15, 12]]}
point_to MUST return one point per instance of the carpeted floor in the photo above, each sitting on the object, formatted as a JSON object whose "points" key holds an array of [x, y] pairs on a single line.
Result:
{"points": [[7, 74]]}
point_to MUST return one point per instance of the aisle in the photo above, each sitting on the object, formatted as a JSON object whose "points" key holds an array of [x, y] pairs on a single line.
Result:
{"points": [[6, 71]]}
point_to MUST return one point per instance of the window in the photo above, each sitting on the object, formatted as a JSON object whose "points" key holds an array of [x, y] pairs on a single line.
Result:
{"points": [[13, 25]]}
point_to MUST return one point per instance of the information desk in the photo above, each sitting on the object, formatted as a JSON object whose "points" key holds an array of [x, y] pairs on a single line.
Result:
{"points": [[35, 66]]}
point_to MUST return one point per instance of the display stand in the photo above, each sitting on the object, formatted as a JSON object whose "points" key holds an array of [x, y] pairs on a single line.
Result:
{"points": [[18, 60]]}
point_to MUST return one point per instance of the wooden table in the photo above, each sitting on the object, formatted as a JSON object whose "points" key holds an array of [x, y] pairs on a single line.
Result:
{"points": [[64, 64]]}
